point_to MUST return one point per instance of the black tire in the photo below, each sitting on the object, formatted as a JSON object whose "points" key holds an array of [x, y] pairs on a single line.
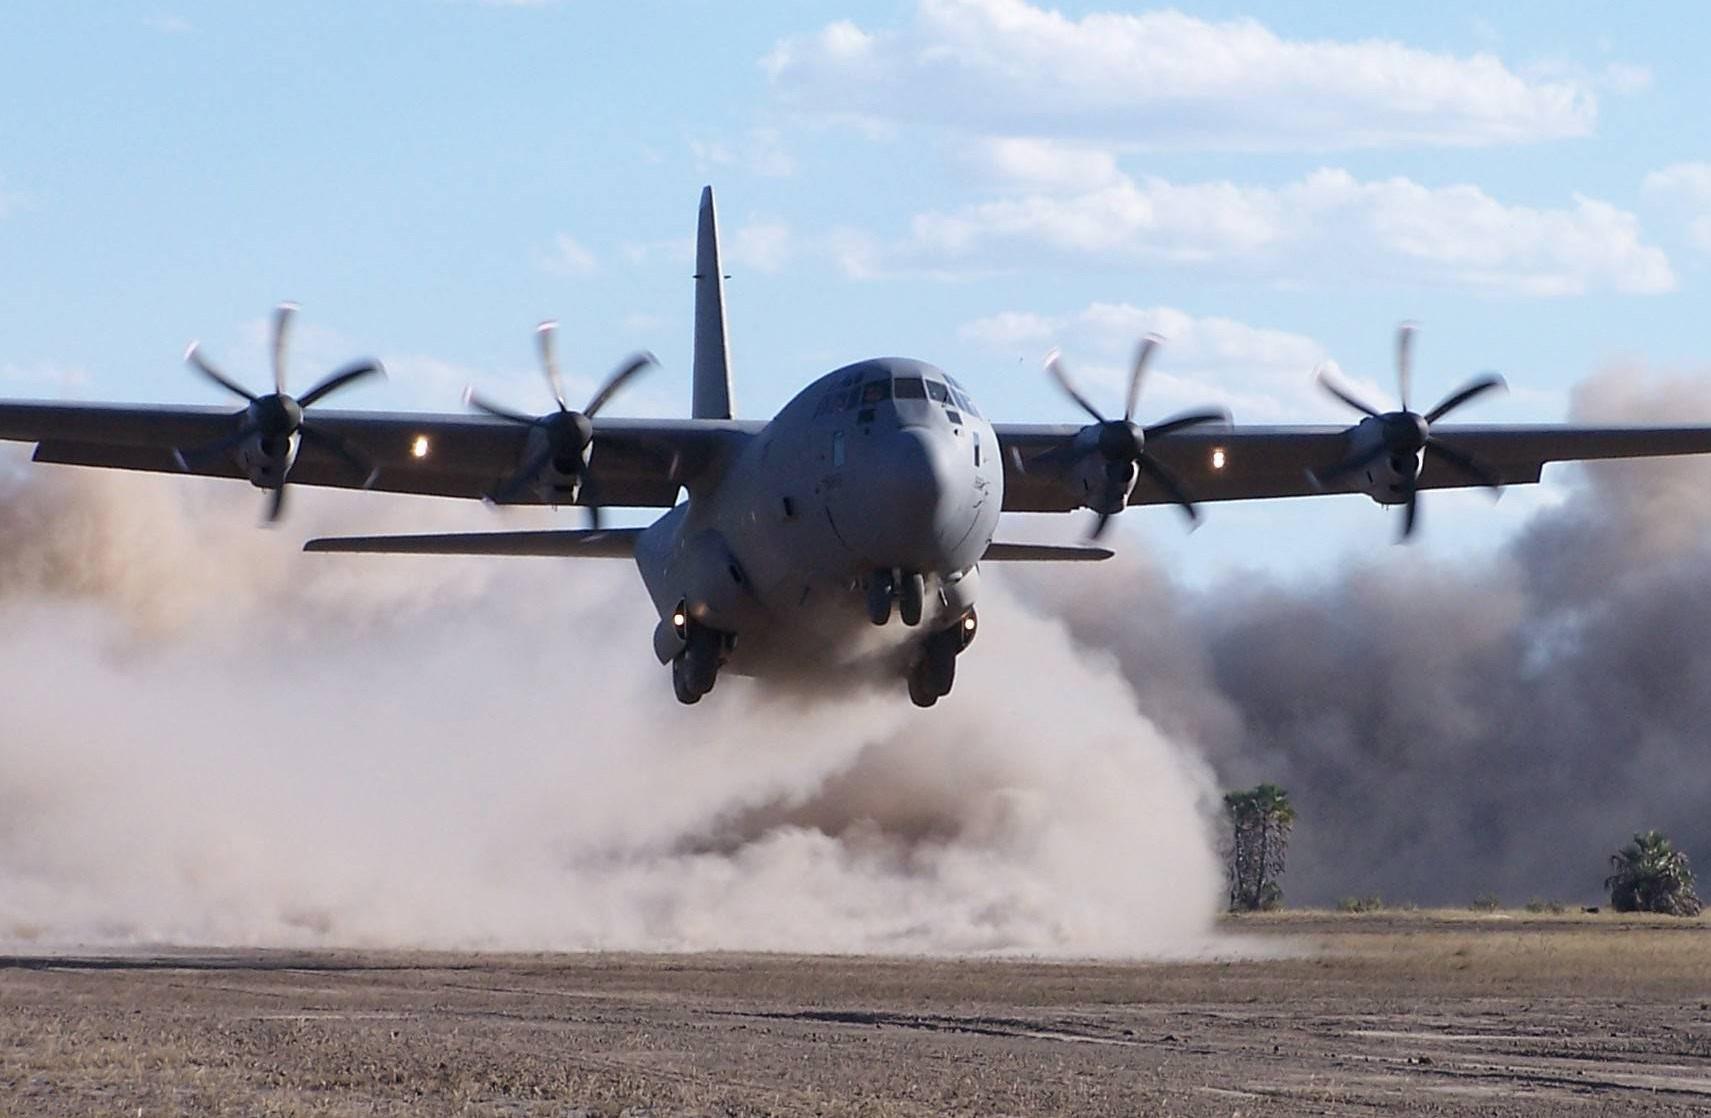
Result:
{"points": [[921, 691], [880, 593], [680, 682], [941, 662], [911, 599]]}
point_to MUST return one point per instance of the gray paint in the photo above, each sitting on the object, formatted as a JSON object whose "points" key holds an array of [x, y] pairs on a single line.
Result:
{"points": [[712, 360]]}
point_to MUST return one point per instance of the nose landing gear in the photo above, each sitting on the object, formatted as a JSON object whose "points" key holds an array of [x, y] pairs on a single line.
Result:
{"points": [[934, 671], [908, 590]]}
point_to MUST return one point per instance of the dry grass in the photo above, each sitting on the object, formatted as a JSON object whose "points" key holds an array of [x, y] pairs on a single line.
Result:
{"points": [[1429, 1012]]}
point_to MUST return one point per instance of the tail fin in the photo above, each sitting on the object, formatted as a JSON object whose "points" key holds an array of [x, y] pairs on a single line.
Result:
{"points": [[712, 362]]}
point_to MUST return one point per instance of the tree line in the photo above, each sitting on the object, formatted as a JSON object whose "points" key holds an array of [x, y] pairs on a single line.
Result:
{"points": [[1647, 875]]}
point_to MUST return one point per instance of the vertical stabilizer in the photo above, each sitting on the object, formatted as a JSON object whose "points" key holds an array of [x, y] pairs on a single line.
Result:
{"points": [[712, 362]]}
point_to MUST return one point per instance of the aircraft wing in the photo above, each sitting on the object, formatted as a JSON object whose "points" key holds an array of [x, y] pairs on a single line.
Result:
{"points": [[1275, 461], [639, 463]]}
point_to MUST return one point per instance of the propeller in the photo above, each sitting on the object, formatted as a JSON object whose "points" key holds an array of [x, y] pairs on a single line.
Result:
{"points": [[565, 433], [274, 419], [1405, 434], [1122, 443]]}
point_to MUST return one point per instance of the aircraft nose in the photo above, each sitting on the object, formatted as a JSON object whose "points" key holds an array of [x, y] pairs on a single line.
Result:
{"points": [[913, 488]]}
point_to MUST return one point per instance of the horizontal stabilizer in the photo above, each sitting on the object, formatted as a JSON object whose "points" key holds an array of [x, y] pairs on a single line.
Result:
{"points": [[1044, 553], [612, 543]]}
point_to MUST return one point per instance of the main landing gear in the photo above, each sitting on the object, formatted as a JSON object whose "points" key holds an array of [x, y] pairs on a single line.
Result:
{"points": [[908, 590], [695, 670], [934, 671]]}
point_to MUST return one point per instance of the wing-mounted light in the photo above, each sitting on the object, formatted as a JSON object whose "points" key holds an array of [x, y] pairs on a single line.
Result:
{"points": [[1388, 450], [271, 428], [1108, 456], [556, 455]]}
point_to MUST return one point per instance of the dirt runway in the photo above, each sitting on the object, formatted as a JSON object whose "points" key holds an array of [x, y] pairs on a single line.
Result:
{"points": [[1428, 1013]]}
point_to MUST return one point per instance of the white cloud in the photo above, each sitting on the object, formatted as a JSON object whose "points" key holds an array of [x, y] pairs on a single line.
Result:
{"points": [[1687, 187], [1324, 226], [169, 23], [762, 152], [765, 246], [569, 257], [1165, 79], [1262, 375]]}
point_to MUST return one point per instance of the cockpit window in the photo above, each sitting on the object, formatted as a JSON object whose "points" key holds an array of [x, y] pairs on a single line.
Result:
{"points": [[937, 392], [875, 390], [910, 388]]}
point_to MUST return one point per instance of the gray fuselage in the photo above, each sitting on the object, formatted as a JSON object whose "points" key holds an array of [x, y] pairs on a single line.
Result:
{"points": [[883, 465]]}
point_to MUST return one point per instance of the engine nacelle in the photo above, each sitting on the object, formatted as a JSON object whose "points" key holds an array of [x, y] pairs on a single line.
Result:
{"points": [[1089, 476], [267, 459], [1389, 478]]}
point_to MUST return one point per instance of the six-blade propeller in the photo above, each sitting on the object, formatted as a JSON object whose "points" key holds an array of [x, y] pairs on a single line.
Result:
{"points": [[274, 419], [565, 433], [1123, 444], [1406, 437]]}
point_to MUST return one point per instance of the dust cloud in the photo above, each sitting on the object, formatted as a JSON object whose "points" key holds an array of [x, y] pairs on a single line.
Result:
{"points": [[1448, 729], [207, 737]]}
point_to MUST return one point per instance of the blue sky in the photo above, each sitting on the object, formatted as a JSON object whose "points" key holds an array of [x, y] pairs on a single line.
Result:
{"points": [[966, 181]]}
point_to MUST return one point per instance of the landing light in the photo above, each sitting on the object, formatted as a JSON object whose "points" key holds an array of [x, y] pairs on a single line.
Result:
{"points": [[419, 448], [678, 620], [1218, 458], [968, 624]]}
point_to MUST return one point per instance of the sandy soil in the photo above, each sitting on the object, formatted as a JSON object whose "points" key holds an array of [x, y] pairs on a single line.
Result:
{"points": [[1429, 1013]]}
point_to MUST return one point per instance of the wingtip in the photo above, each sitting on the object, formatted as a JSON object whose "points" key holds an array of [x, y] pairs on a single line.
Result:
{"points": [[190, 350]]}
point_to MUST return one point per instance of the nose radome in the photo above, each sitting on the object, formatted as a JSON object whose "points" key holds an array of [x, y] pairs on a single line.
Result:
{"points": [[912, 486]]}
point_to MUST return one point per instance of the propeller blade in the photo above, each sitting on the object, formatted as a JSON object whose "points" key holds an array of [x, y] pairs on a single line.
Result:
{"points": [[189, 460], [355, 371], [1172, 485], [1143, 355], [276, 505], [1343, 394], [1405, 360], [1410, 515], [281, 328], [1099, 524], [1187, 419], [1466, 463], [201, 364], [1476, 387], [620, 376], [523, 478], [1348, 466], [475, 400], [1054, 366], [545, 333], [341, 447]]}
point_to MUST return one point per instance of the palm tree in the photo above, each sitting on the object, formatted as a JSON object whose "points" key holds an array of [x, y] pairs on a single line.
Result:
{"points": [[1260, 821], [1651, 876]]}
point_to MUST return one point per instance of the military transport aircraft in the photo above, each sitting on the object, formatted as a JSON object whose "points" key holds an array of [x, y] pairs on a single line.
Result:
{"points": [[875, 491]]}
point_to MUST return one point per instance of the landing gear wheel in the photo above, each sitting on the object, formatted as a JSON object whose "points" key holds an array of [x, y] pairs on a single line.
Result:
{"points": [[911, 599], [934, 673], [680, 683], [695, 670], [881, 589]]}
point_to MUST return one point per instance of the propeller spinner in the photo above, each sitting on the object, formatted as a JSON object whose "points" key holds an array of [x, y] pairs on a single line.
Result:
{"points": [[1122, 443], [1406, 436], [564, 434], [276, 422]]}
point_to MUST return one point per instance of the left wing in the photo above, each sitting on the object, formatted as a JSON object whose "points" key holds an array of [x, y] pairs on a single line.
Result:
{"points": [[1243, 463], [640, 463]]}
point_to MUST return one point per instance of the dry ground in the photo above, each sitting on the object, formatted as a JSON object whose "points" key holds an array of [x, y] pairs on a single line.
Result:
{"points": [[1430, 1013]]}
